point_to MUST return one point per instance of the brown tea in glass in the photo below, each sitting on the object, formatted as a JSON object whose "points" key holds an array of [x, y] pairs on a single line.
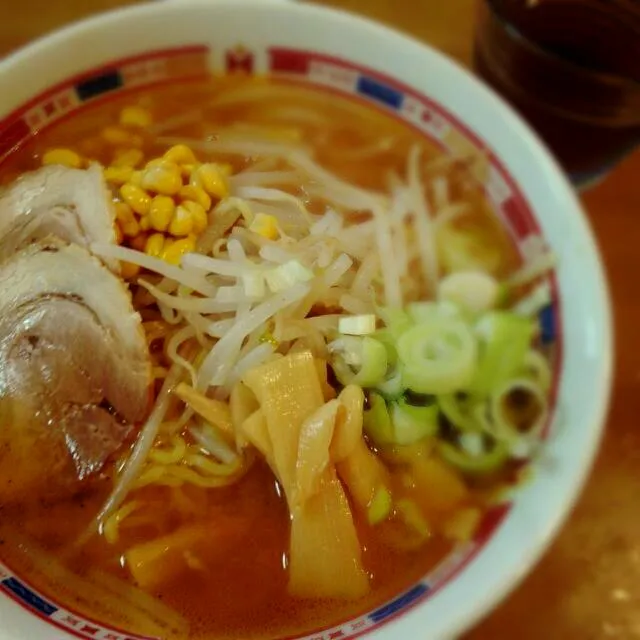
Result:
{"points": [[572, 69]]}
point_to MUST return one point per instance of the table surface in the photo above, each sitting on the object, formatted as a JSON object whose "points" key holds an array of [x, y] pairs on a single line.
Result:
{"points": [[587, 586]]}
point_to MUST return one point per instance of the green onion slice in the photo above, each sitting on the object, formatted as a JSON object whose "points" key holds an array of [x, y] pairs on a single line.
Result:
{"points": [[505, 340], [377, 422], [518, 414], [359, 360], [458, 413], [411, 424], [438, 356], [474, 463]]}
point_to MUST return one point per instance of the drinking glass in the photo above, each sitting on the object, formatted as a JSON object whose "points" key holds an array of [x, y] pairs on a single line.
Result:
{"points": [[572, 69]]}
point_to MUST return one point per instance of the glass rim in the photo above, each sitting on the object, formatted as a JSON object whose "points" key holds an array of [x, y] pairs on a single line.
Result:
{"points": [[605, 77]]}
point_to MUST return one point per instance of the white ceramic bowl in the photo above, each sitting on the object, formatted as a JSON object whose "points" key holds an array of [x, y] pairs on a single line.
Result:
{"points": [[154, 43]]}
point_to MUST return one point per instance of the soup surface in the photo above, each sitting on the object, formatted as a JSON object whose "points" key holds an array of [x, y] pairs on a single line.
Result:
{"points": [[221, 564]]}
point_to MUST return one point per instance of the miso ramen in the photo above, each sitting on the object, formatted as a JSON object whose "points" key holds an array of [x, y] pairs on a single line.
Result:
{"points": [[267, 357]]}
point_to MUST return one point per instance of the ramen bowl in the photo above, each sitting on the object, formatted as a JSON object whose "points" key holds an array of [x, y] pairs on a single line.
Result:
{"points": [[341, 54]]}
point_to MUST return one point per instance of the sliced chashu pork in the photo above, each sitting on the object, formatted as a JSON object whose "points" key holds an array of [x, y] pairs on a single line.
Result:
{"points": [[72, 204], [75, 373]]}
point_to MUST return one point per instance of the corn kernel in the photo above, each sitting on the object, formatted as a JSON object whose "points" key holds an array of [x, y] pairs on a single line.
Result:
{"points": [[161, 212], [180, 154], [182, 222], [118, 175], [131, 228], [159, 162], [211, 179], [116, 136], [128, 270], [145, 223], [118, 233], [119, 137], [200, 221], [136, 198], [265, 225], [124, 213], [138, 242], [197, 194], [187, 170], [136, 178], [127, 158], [65, 157], [226, 169], [165, 179], [135, 117], [154, 245], [174, 252], [198, 215]]}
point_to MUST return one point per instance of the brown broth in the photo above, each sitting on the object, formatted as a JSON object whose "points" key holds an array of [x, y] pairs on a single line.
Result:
{"points": [[242, 590]]}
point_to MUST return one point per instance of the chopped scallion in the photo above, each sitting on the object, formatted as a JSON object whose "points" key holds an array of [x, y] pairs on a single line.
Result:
{"points": [[359, 360], [437, 357], [357, 325], [380, 506], [377, 422], [411, 424], [505, 339], [486, 462]]}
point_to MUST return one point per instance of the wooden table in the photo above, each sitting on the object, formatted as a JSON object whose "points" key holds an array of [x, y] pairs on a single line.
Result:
{"points": [[587, 587]]}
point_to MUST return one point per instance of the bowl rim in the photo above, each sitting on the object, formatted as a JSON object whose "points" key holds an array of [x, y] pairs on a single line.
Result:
{"points": [[557, 184]]}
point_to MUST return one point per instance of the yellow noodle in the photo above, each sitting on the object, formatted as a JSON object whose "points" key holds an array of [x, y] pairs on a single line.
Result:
{"points": [[159, 373], [208, 467], [154, 474], [170, 455], [185, 474], [171, 427], [111, 528], [172, 348]]}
